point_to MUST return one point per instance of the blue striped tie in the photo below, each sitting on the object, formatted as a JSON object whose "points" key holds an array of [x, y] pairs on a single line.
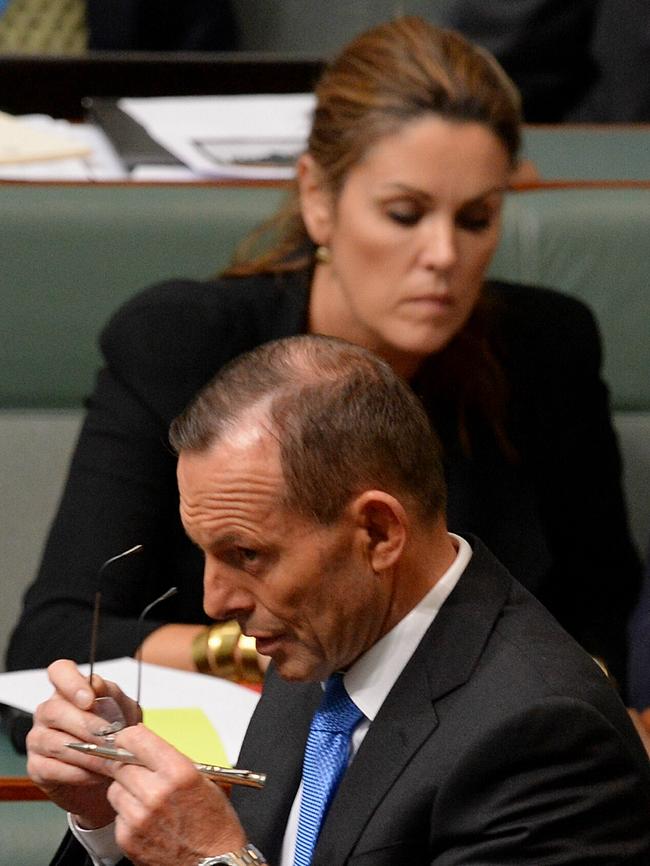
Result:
{"points": [[326, 757]]}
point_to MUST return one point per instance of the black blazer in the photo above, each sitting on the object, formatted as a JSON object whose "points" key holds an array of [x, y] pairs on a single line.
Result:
{"points": [[554, 516], [501, 742]]}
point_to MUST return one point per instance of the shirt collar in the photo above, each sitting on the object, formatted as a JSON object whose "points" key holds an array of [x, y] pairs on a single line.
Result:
{"points": [[371, 677]]}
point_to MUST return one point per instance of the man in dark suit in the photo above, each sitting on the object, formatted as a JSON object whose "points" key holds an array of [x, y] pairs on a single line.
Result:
{"points": [[481, 732], [161, 25], [582, 61]]}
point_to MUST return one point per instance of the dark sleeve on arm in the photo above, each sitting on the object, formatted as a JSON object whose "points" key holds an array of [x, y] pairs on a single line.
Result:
{"points": [[572, 453], [544, 45], [639, 677], [539, 790], [160, 348], [121, 491], [620, 49]]}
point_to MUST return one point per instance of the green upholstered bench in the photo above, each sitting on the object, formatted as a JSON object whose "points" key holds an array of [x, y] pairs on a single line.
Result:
{"points": [[589, 153], [29, 831], [72, 254], [592, 243]]}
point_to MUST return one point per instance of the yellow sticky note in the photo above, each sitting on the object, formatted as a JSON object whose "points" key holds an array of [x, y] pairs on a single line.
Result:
{"points": [[190, 731]]}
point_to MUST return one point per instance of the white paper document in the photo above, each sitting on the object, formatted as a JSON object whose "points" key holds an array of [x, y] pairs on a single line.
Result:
{"points": [[253, 137], [21, 141], [57, 150], [228, 706]]}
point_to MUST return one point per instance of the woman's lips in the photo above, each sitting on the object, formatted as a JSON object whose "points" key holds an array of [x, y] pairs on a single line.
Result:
{"points": [[430, 303], [434, 298]]}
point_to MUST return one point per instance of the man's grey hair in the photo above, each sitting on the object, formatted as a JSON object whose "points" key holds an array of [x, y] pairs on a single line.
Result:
{"points": [[344, 420]]}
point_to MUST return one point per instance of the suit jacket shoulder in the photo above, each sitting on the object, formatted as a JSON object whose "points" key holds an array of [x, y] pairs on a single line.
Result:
{"points": [[496, 716], [532, 324], [170, 339]]}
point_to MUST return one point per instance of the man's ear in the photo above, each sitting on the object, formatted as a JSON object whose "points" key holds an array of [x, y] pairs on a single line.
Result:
{"points": [[315, 201], [383, 527]]}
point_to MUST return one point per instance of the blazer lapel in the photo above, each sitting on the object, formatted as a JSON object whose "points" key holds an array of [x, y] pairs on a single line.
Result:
{"points": [[443, 661], [275, 744]]}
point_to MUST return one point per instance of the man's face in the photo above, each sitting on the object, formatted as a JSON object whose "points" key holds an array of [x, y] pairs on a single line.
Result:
{"points": [[306, 592]]}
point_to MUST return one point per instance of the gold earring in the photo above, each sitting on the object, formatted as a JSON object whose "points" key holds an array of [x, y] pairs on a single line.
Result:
{"points": [[323, 255]]}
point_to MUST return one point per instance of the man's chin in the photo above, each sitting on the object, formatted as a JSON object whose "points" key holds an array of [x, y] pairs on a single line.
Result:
{"points": [[299, 670]]}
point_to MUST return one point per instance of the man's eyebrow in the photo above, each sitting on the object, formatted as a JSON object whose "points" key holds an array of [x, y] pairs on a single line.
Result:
{"points": [[226, 539]]}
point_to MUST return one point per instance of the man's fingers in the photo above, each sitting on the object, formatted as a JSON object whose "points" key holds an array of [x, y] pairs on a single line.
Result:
{"points": [[51, 743], [58, 715], [47, 770], [69, 682], [153, 752]]}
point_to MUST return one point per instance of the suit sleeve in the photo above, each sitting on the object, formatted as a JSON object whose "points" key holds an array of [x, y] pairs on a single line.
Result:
{"points": [[620, 47], [121, 491], [538, 790], [639, 680], [159, 349], [571, 451], [544, 45]]}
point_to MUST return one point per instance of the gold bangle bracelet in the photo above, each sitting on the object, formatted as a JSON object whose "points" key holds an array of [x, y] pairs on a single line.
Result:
{"points": [[200, 651], [248, 667], [222, 640], [213, 652]]}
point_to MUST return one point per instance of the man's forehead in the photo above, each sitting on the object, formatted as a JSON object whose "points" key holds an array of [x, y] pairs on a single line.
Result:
{"points": [[240, 458]]}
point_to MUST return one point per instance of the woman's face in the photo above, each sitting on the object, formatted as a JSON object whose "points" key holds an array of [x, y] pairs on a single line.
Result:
{"points": [[410, 236]]}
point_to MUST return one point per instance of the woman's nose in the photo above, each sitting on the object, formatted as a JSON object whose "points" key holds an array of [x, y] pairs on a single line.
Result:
{"points": [[438, 251]]}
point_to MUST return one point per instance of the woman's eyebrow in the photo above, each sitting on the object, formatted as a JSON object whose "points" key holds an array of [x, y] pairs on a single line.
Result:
{"points": [[399, 187]]}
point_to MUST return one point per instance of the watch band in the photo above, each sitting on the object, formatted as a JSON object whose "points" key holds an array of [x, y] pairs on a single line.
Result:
{"points": [[246, 856]]}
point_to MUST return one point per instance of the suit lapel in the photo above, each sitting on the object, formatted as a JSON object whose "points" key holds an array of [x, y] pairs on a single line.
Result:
{"points": [[275, 744], [443, 661]]}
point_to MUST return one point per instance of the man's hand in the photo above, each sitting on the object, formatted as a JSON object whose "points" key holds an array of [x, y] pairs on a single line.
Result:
{"points": [[167, 813], [76, 782]]}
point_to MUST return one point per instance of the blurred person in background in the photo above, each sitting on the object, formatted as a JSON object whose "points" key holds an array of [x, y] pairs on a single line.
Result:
{"points": [[385, 241]]}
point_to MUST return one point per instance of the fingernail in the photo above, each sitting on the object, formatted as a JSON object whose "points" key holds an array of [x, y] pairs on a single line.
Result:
{"points": [[83, 698], [110, 730]]}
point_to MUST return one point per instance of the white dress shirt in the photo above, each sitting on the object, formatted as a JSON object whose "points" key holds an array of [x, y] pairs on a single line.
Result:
{"points": [[368, 683]]}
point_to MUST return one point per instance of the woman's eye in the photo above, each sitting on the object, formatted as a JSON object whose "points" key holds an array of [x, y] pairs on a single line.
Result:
{"points": [[474, 222], [404, 216]]}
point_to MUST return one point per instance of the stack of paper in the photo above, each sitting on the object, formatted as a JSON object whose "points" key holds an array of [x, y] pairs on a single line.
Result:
{"points": [[252, 137], [36, 147], [176, 704], [22, 142]]}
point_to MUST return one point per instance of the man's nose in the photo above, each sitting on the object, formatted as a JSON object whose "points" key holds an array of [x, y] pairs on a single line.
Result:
{"points": [[222, 598]]}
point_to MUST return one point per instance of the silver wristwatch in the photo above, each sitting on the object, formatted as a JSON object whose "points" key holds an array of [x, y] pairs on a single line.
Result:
{"points": [[244, 857]]}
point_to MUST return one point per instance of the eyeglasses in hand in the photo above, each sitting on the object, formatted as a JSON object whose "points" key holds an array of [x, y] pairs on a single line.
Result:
{"points": [[107, 708]]}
